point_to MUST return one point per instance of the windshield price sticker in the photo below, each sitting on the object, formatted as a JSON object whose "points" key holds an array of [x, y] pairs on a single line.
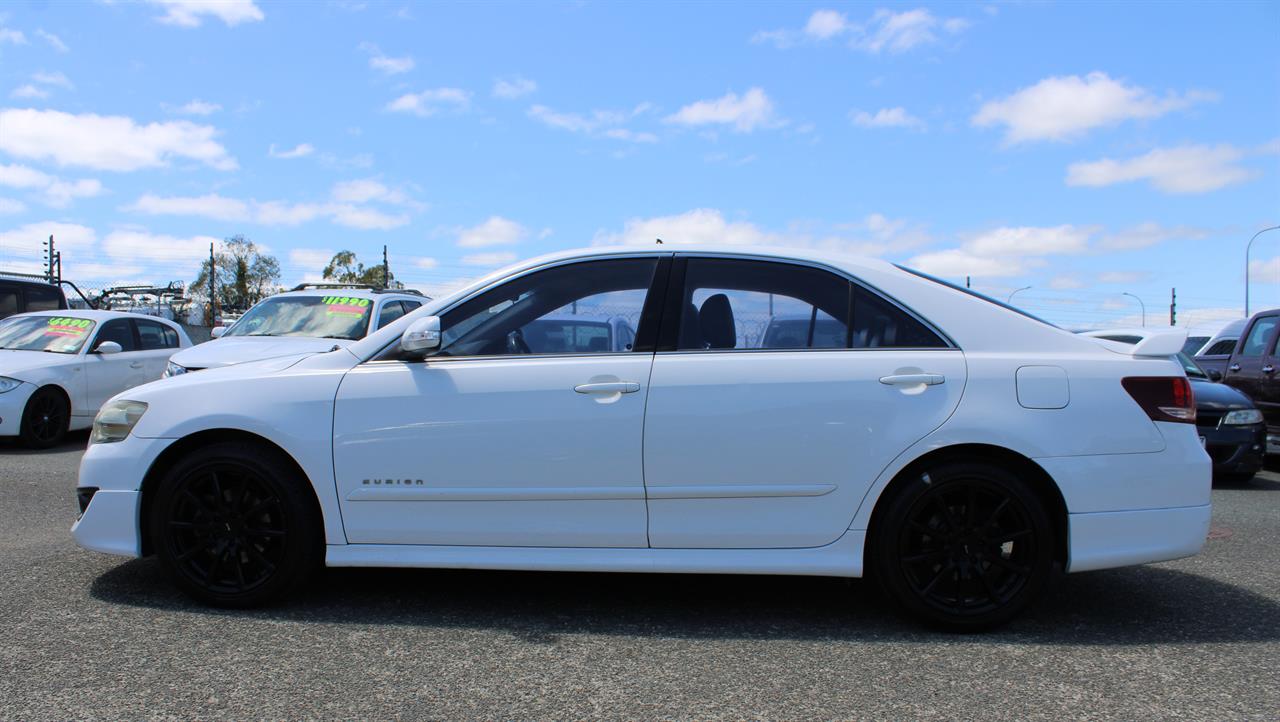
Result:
{"points": [[345, 306], [69, 327]]}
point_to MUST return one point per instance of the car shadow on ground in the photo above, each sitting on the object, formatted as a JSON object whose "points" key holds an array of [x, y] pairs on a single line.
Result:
{"points": [[74, 441], [1134, 606]]}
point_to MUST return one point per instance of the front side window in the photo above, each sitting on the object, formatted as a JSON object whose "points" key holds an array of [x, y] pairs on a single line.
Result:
{"points": [[743, 304], [566, 309], [1256, 343], [391, 310], [118, 330], [55, 334], [335, 316], [1221, 348]]}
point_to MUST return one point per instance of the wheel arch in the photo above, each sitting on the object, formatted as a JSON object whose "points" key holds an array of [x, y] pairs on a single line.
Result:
{"points": [[186, 444], [1034, 475]]}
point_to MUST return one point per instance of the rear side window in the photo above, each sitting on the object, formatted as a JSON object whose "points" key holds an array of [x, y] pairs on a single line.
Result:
{"points": [[410, 306], [1221, 348], [1255, 344], [746, 304], [155, 336], [391, 310], [44, 299]]}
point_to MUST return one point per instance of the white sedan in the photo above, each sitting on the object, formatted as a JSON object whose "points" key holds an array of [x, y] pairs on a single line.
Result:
{"points": [[951, 447], [57, 368]]}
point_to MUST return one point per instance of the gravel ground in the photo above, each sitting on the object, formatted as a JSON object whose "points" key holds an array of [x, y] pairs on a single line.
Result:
{"points": [[88, 636]]}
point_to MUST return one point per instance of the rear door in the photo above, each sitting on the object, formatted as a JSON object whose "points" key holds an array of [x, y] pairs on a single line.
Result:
{"points": [[156, 343], [755, 443], [1254, 356]]}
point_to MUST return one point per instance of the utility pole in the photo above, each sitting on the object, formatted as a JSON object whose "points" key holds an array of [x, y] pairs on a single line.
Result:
{"points": [[1248, 248], [53, 263], [967, 283], [1173, 307], [1140, 303], [386, 269], [213, 289]]}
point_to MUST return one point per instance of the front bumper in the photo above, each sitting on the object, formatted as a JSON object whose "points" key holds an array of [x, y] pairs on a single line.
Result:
{"points": [[1235, 449], [111, 522], [12, 404]]}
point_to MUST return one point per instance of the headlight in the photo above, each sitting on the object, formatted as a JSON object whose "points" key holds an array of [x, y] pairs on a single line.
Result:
{"points": [[8, 384], [173, 369], [116, 420], [1242, 417]]}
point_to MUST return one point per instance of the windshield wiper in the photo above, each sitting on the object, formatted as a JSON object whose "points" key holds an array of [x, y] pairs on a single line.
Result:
{"points": [[262, 334], [334, 335]]}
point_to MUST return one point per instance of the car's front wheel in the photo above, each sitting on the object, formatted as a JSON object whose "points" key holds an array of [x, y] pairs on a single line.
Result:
{"points": [[964, 546], [45, 419], [236, 525]]}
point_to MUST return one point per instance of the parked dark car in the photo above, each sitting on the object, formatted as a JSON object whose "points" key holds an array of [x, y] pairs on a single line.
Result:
{"points": [[1216, 353], [1252, 369], [19, 295]]}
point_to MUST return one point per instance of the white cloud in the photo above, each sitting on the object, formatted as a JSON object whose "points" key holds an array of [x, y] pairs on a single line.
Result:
{"points": [[431, 101], [496, 231], [1062, 108], [746, 113], [365, 190], [365, 218], [1146, 235], [600, 123], [8, 206], [886, 118], [1184, 169], [199, 107], [190, 13], [54, 41], [513, 87], [1122, 276], [48, 78], [28, 92], [496, 258], [212, 206], [298, 151], [384, 63], [825, 24], [13, 37], [1067, 282], [425, 262], [1007, 251], [53, 191], [157, 251], [108, 142], [69, 236], [316, 258], [1265, 270], [281, 213]]}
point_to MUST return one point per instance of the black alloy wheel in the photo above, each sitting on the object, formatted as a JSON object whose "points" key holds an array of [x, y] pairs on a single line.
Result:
{"points": [[45, 419], [965, 546], [233, 525]]}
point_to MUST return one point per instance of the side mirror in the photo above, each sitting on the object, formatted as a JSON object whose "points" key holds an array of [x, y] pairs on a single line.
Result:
{"points": [[107, 348], [217, 331], [423, 335], [1214, 374]]}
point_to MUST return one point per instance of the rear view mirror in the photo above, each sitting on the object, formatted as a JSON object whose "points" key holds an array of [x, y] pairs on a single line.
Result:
{"points": [[217, 331], [108, 347], [423, 335]]}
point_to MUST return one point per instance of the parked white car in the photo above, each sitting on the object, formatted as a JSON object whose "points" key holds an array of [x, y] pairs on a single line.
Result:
{"points": [[958, 450], [58, 367], [308, 319]]}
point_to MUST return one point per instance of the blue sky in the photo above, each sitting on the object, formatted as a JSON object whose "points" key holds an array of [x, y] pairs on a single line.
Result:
{"points": [[1085, 150]]}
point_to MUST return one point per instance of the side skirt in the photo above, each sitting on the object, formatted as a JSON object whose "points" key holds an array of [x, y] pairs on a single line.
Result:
{"points": [[841, 558]]}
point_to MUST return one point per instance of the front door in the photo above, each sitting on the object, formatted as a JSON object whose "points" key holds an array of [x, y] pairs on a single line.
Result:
{"points": [[1246, 370], [108, 374], [511, 435], [778, 400]]}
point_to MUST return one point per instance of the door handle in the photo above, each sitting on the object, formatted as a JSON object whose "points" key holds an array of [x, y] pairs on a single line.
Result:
{"points": [[913, 379], [1233, 368], [135, 365], [608, 387], [1268, 369]]}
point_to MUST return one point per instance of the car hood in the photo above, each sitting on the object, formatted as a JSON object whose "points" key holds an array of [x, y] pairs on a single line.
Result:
{"points": [[19, 364], [239, 349], [1214, 396]]}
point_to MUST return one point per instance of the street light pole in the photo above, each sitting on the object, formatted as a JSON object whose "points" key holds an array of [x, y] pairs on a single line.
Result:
{"points": [[1020, 290], [1140, 303], [1246, 266]]}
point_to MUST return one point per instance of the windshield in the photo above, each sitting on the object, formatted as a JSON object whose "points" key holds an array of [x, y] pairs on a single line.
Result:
{"points": [[312, 316], [53, 334]]}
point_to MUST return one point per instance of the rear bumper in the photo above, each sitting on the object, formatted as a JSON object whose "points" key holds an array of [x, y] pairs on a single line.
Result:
{"points": [[1103, 540]]}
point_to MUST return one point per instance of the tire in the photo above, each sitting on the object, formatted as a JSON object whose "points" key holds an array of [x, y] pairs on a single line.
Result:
{"points": [[963, 546], [1235, 478], [236, 525], [45, 419]]}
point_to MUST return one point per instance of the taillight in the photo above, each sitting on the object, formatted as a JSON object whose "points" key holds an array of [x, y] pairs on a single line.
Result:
{"points": [[1164, 398]]}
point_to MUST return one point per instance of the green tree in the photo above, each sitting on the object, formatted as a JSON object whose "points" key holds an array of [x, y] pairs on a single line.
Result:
{"points": [[245, 275], [344, 267]]}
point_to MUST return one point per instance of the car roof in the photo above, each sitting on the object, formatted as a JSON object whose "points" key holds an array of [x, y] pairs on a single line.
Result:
{"points": [[28, 282], [352, 293], [98, 316]]}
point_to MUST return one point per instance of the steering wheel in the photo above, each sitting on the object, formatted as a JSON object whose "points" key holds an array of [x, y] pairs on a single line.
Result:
{"points": [[516, 343]]}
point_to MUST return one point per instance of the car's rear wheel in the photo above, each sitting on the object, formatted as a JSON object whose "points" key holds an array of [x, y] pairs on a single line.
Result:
{"points": [[964, 546], [45, 419], [236, 525]]}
